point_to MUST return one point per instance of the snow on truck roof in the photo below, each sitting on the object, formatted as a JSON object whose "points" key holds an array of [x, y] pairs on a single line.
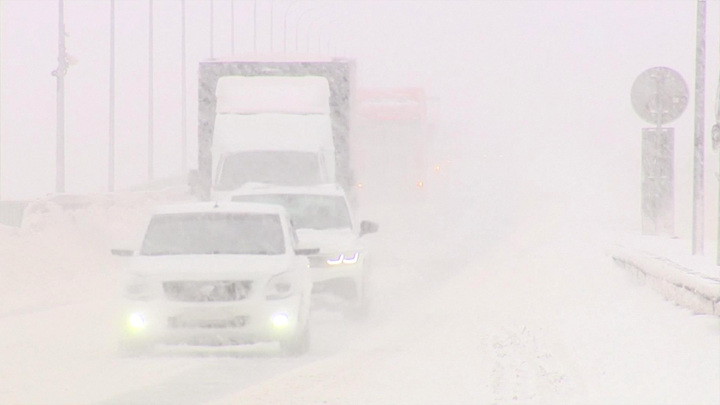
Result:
{"points": [[330, 189], [276, 57], [267, 94], [220, 206]]}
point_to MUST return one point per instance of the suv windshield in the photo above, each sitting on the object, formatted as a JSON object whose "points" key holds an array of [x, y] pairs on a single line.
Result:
{"points": [[274, 167], [214, 233], [307, 211]]}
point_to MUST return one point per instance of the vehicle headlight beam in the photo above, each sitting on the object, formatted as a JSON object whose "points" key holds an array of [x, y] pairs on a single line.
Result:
{"points": [[344, 258], [136, 321]]}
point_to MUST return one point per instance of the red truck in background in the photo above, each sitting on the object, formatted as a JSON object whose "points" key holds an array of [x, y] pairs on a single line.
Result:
{"points": [[391, 137]]}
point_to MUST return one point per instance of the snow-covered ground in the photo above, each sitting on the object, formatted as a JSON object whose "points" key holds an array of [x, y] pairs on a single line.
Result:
{"points": [[464, 313], [492, 286]]}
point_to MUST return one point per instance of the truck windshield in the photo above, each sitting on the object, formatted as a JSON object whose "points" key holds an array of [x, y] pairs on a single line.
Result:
{"points": [[274, 167], [214, 233], [307, 211]]}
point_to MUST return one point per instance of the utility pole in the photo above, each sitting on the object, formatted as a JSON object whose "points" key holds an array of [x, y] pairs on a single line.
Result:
{"points": [[151, 112], [699, 155], [111, 129], [272, 7], [59, 73], [183, 96], [285, 18], [232, 27], [1, 100], [212, 29], [255, 26], [716, 147], [297, 27]]}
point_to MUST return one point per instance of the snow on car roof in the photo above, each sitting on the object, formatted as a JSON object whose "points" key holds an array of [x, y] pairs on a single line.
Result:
{"points": [[263, 188], [221, 206]]}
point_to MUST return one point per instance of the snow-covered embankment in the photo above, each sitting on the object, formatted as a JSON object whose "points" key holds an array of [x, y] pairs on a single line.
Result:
{"points": [[687, 281]]}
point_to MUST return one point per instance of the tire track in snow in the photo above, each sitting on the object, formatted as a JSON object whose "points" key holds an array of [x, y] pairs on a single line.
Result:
{"points": [[524, 371]]}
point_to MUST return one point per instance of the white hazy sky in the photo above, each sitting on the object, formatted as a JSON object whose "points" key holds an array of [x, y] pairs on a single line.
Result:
{"points": [[525, 77]]}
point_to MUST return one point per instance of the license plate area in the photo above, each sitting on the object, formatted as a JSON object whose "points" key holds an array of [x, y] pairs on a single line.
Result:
{"points": [[184, 322]]}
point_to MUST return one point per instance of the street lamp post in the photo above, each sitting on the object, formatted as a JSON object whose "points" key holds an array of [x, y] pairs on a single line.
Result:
{"points": [[698, 193], [212, 29], [255, 26], [151, 112], [285, 18], [330, 24], [297, 27], [59, 73], [183, 94], [313, 25], [111, 107], [0, 100], [716, 147], [232, 27], [272, 7], [307, 35]]}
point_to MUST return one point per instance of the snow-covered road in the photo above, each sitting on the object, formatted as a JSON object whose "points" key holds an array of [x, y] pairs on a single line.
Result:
{"points": [[483, 294], [557, 323], [549, 320]]}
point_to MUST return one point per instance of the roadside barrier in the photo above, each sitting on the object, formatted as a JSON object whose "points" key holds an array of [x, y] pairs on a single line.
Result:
{"points": [[682, 285]]}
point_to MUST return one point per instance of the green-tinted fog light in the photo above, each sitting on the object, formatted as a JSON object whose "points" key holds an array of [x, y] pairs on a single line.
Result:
{"points": [[280, 320], [137, 321]]}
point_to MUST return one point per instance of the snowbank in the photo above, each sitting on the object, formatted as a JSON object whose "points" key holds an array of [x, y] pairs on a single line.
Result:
{"points": [[48, 266], [668, 267], [61, 253]]}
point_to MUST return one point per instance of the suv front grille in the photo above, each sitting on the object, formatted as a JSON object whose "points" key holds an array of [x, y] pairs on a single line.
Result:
{"points": [[202, 291], [178, 322]]}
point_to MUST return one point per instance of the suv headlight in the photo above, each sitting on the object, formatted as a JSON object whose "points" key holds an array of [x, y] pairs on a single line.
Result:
{"points": [[343, 258], [280, 286]]}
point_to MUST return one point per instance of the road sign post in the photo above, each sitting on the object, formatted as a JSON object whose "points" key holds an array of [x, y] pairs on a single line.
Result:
{"points": [[659, 95], [658, 213]]}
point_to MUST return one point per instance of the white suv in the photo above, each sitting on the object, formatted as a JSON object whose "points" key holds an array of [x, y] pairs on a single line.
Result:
{"points": [[217, 274], [322, 218]]}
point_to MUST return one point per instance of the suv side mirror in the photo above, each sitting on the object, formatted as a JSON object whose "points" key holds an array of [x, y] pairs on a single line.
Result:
{"points": [[122, 252], [368, 227]]}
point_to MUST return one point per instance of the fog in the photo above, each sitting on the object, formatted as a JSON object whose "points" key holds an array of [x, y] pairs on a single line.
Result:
{"points": [[491, 284], [525, 79]]}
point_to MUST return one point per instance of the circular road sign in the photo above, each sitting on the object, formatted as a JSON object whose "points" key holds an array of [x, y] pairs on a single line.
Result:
{"points": [[659, 95]]}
